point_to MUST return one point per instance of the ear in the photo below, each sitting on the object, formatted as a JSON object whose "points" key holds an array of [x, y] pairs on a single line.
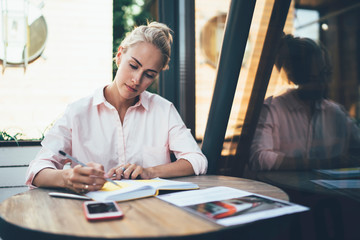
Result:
{"points": [[118, 55]]}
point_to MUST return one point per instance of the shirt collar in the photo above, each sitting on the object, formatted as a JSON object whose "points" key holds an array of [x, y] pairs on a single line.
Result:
{"points": [[99, 98], [144, 99]]}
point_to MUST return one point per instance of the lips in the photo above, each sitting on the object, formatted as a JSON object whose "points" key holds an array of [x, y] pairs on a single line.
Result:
{"points": [[131, 89]]}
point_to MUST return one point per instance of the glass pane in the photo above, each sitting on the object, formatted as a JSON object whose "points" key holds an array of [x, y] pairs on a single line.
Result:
{"points": [[210, 23], [70, 54], [75, 60], [312, 124], [210, 17]]}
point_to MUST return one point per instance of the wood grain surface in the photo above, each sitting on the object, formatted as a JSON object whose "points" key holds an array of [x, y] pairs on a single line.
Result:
{"points": [[147, 217]]}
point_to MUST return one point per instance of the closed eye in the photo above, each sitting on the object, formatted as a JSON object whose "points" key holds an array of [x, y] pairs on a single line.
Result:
{"points": [[133, 66], [149, 75]]}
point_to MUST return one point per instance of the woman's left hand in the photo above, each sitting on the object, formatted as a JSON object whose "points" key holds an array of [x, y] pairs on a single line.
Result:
{"points": [[129, 171]]}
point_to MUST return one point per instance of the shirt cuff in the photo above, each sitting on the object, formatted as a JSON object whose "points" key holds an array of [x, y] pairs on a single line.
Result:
{"points": [[199, 163], [31, 175]]}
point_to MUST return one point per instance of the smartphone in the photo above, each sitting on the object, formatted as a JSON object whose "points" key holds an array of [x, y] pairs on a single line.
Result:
{"points": [[98, 210]]}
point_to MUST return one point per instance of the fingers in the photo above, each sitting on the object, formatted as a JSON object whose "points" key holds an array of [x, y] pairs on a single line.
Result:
{"points": [[84, 188], [96, 166], [117, 172], [111, 173], [96, 170], [137, 172], [132, 171], [81, 188], [128, 171], [85, 179]]}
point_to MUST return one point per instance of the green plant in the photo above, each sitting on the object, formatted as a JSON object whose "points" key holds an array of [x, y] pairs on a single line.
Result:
{"points": [[5, 136]]}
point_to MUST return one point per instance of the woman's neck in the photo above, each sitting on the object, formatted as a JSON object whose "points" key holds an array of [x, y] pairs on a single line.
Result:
{"points": [[121, 104]]}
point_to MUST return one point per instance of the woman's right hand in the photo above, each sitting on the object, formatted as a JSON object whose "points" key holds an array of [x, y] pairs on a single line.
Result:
{"points": [[84, 179]]}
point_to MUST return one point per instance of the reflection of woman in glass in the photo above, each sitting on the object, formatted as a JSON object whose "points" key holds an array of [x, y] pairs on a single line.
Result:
{"points": [[301, 129]]}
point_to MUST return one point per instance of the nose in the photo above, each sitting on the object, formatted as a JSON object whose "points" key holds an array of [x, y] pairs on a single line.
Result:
{"points": [[136, 77]]}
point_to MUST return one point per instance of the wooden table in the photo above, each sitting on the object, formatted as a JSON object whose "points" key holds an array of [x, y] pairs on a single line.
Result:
{"points": [[36, 215]]}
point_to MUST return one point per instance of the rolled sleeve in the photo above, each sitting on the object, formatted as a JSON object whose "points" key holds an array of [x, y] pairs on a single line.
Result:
{"points": [[58, 138], [44, 159], [198, 162], [183, 144]]}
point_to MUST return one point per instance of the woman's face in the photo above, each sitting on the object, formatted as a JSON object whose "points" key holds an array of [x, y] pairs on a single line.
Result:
{"points": [[138, 67]]}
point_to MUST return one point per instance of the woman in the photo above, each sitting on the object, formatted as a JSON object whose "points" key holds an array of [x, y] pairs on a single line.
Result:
{"points": [[121, 131], [301, 129]]}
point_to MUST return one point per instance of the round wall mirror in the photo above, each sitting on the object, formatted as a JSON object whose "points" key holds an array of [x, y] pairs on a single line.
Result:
{"points": [[21, 24], [211, 38]]}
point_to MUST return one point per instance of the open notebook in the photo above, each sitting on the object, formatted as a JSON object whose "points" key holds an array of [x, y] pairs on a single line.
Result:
{"points": [[133, 189]]}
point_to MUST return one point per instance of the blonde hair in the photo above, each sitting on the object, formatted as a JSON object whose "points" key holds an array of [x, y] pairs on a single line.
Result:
{"points": [[155, 33]]}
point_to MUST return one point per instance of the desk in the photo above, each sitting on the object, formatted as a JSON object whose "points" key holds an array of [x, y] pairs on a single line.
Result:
{"points": [[335, 214], [37, 216]]}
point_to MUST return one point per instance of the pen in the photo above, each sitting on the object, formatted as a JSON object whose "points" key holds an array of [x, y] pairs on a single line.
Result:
{"points": [[82, 164]]}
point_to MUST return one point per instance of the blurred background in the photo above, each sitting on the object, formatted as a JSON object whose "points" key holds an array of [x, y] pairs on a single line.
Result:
{"points": [[54, 52]]}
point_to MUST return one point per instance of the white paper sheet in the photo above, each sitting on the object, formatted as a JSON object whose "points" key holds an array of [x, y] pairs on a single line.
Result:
{"points": [[192, 197]]}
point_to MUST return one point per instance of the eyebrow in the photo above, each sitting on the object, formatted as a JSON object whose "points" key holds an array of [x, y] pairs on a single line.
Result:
{"points": [[151, 70]]}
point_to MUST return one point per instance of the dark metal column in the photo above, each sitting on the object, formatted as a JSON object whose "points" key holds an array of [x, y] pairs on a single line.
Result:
{"points": [[187, 62], [262, 77], [169, 79], [178, 83], [231, 56]]}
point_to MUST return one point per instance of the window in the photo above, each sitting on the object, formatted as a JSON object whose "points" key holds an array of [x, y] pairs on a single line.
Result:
{"points": [[76, 59]]}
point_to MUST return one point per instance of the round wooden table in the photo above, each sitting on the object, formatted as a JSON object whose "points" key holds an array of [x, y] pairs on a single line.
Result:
{"points": [[36, 215]]}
